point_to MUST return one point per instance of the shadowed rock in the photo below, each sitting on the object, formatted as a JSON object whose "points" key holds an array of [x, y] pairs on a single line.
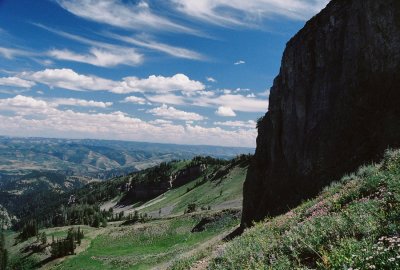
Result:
{"points": [[334, 106]]}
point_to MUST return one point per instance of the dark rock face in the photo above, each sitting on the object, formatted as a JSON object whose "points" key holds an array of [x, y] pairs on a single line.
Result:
{"points": [[334, 106]]}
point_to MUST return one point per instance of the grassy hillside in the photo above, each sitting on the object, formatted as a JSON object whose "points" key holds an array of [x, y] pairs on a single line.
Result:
{"points": [[201, 205], [353, 224], [221, 192], [147, 245]]}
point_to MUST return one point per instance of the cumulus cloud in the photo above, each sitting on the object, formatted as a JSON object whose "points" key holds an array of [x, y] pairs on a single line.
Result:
{"points": [[69, 79], [16, 82], [161, 122], [80, 103], [178, 82], [119, 14], [22, 105], [235, 102], [171, 113], [167, 98], [134, 99], [101, 57], [225, 111], [247, 13], [29, 105], [32, 117], [242, 124]]}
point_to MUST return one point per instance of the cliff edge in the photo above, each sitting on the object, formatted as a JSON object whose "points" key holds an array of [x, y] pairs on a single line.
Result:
{"points": [[334, 106]]}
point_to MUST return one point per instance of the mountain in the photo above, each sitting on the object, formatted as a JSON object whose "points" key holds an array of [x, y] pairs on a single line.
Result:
{"points": [[95, 158], [333, 106]]}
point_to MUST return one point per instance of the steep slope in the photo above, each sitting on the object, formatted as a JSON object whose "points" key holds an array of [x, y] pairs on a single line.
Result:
{"points": [[353, 224], [333, 107]]}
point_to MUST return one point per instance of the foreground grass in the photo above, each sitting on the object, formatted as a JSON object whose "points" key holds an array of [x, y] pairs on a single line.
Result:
{"points": [[353, 224], [144, 246]]}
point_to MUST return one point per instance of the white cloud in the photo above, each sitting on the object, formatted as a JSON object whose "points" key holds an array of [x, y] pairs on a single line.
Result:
{"points": [[249, 12], [69, 79], [101, 57], [265, 94], [211, 80], [167, 98], [159, 84], [171, 113], [161, 122], [119, 14], [80, 103], [241, 124], [28, 105], [16, 82], [240, 62], [136, 100], [225, 111], [39, 118], [235, 102], [10, 53], [161, 47]]}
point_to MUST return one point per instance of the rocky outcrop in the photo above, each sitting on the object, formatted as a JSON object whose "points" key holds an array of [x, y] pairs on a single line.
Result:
{"points": [[186, 175], [334, 106], [153, 187]]}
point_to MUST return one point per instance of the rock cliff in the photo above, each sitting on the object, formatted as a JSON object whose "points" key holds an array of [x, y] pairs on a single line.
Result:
{"points": [[334, 106]]}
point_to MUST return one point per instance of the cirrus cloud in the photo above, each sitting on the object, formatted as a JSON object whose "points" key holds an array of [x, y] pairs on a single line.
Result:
{"points": [[101, 57], [119, 14], [230, 13]]}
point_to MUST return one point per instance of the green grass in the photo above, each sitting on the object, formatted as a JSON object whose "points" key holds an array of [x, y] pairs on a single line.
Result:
{"points": [[145, 245], [20, 259], [353, 224], [206, 194]]}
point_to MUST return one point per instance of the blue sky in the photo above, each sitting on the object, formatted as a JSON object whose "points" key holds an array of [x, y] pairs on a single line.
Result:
{"points": [[173, 71]]}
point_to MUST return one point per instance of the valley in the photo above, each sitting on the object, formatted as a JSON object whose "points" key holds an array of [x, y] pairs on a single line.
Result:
{"points": [[320, 191], [188, 207]]}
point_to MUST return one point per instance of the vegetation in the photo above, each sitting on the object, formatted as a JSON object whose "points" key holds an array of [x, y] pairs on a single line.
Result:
{"points": [[353, 224], [64, 247], [3, 253], [147, 245], [148, 233], [29, 229]]}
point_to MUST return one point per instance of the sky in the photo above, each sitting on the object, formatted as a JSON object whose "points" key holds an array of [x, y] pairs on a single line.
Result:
{"points": [[170, 71]]}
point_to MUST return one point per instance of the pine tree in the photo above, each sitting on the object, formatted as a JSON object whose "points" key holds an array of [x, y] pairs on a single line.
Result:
{"points": [[3, 252]]}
